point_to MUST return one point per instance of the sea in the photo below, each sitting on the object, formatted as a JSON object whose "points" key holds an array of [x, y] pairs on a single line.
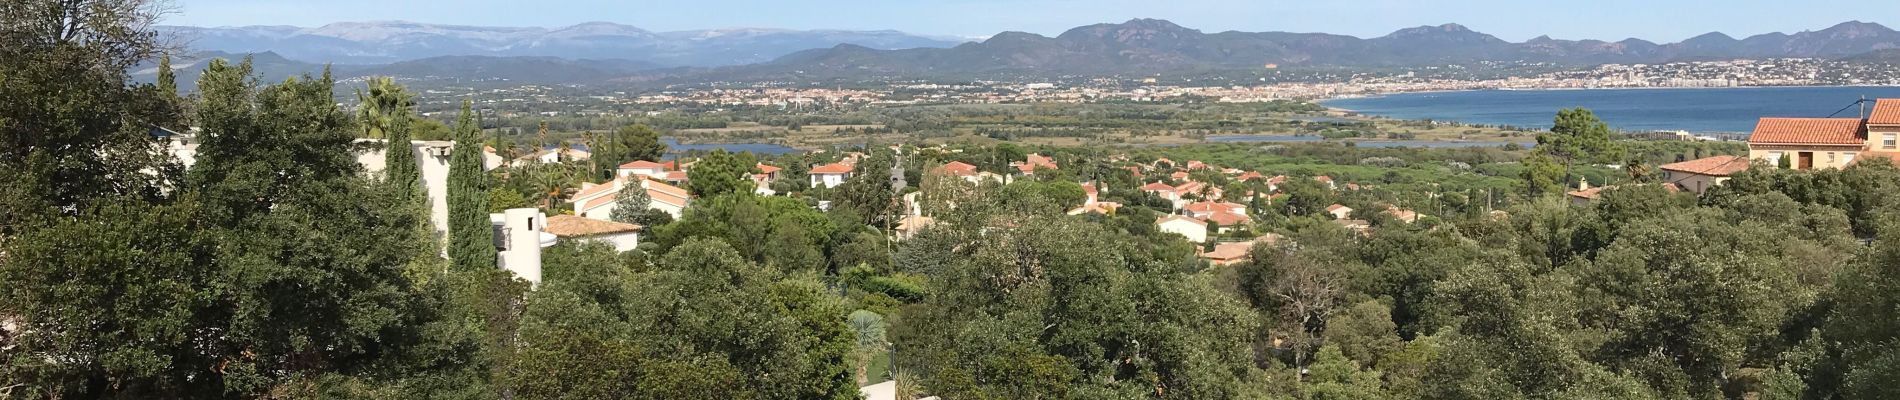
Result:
{"points": [[1698, 110]]}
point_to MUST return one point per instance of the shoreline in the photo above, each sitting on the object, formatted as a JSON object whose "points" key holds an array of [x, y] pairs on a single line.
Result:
{"points": [[1331, 108]]}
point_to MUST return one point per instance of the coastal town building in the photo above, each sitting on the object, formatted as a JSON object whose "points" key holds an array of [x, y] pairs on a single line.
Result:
{"points": [[1194, 230]]}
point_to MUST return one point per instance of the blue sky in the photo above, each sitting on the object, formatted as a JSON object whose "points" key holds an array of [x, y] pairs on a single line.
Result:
{"points": [[1516, 20]]}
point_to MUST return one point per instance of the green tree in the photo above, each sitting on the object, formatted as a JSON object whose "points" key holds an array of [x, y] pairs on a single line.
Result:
{"points": [[868, 328], [167, 79], [629, 143], [721, 173], [74, 132], [471, 236], [634, 206], [385, 109]]}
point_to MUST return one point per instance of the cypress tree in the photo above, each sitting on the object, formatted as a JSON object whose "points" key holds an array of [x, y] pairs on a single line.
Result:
{"points": [[387, 109], [471, 239], [167, 82]]}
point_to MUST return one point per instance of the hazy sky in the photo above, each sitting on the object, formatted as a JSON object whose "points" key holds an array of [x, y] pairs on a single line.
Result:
{"points": [[1515, 20]]}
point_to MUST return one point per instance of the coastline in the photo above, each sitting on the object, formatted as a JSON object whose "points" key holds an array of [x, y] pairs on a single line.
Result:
{"points": [[1703, 110]]}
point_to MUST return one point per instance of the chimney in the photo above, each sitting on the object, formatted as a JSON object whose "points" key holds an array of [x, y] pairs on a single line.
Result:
{"points": [[523, 226]]}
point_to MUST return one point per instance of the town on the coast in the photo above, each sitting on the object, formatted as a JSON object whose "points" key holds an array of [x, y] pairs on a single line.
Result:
{"points": [[216, 199]]}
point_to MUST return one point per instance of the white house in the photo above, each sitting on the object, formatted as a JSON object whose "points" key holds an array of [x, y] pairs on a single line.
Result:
{"points": [[519, 237], [642, 168], [597, 201], [1194, 230], [623, 237], [830, 175], [1339, 211]]}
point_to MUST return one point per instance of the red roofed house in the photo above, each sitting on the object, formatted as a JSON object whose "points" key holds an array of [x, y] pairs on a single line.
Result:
{"points": [[1700, 175], [1812, 143], [1193, 229], [1339, 211], [643, 168], [830, 175], [623, 237], [1203, 209], [1883, 127], [598, 201], [1237, 252], [1034, 161]]}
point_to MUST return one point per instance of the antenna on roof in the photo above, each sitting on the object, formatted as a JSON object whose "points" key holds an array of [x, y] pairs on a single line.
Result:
{"points": [[1858, 103]]}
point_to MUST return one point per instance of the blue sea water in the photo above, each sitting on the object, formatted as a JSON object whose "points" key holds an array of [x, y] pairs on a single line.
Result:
{"points": [[1694, 110]]}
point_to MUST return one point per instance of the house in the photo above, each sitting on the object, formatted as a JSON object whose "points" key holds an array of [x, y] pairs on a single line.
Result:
{"points": [[911, 224], [1203, 209], [1403, 215], [597, 201], [1029, 165], [1231, 253], [1162, 190], [1339, 212], [623, 237], [1193, 229], [642, 168], [968, 172], [1328, 181], [1817, 143], [830, 175], [1228, 221], [550, 156], [519, 238], [1355, 225], [767, 174], [1099, 207], [1701, 174]]}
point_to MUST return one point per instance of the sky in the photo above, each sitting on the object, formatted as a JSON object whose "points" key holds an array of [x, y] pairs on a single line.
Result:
{"points": [[1515, 20]]}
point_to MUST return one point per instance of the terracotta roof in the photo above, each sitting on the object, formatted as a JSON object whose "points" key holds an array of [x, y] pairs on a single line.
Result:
{"points": [[767, 169], [831, 169], [597, 202], [959, 168], [590, 191], [1228, 218], [1886, 112], [1712, 166], [1178, 175], [643, 164], [1249, 175], [676, 176], [577, 226], [1089, 188], [1190, 187], [1172, 218], [1323, 178], [1157, 187], [1211, 206], [1588, 194], [1825, 131], [1337, 207], [1100, 207], [1041, 160]]}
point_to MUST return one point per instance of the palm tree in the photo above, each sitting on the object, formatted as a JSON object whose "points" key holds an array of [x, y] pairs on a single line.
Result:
{"points": [[869, 328], [380, 104], [551, 180]]}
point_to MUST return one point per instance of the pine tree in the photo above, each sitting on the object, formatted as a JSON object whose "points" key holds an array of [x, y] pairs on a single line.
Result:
{"points": [[471, 238]]}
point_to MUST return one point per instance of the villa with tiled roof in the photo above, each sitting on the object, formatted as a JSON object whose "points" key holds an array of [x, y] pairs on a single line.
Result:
{"points": [[1817, 143]]}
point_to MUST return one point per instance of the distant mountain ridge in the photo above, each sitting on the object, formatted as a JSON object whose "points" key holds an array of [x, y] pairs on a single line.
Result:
{"points": [[1151, 45], [397, 41]]}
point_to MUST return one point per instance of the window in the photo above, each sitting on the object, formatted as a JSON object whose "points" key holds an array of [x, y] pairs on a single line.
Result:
{"points": [[1888, 141], [1774, 158], [1848, 157], [1831, 157]]}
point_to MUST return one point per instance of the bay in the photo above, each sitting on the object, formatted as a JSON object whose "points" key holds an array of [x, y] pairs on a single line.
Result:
{"points": [[1701, 110]]}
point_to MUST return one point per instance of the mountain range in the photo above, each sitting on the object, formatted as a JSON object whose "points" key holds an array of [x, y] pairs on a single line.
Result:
{"points": [[1150, 45], [605, 52], [398, 41]]}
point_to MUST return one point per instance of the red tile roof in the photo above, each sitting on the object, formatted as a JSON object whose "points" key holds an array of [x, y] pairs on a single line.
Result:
{"points": [[959, 168], [1823, 131], [1157, 187], [1228, 219], [1171, 218], [831, 169], [1213, 207], [643, 164], [1712, 166], [575, 226], [1886, 112], [590, 191], [767, 169]]}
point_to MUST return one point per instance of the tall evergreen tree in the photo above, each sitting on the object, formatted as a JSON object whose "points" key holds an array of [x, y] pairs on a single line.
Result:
{"points": [[385, 109], [721, 173], [471, 237], [167, 80]]}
